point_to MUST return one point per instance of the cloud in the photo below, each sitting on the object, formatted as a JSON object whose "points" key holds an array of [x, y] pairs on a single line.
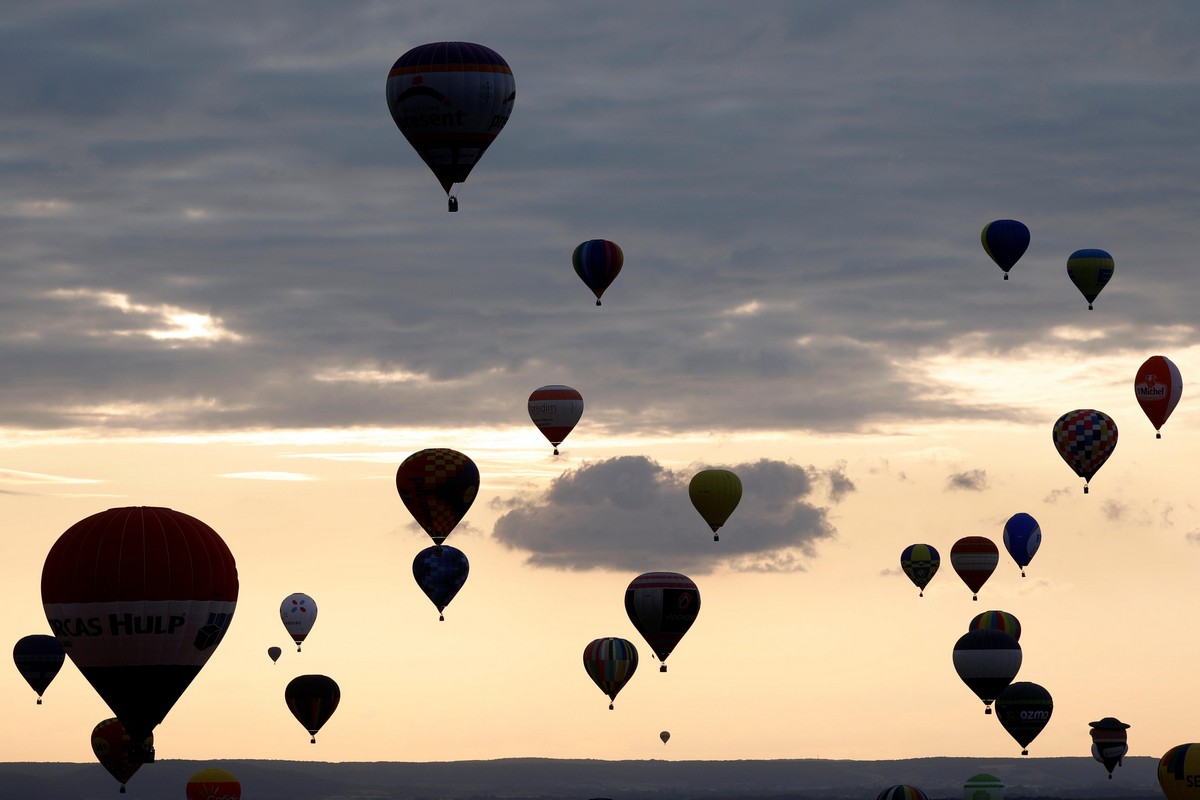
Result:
{"points": [[1193, 537], [630, 513], [975, 480]]}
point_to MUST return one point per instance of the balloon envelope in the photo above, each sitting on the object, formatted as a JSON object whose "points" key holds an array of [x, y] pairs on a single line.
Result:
{"points": [[715, 493], [662, 606], [139, 598], [298, 612], [1158, 387], [274, 653], [902, 791], [1005, 241], [1085, 438], [997, 620], [115, 751], [1090, 270], [1177, 771], [450, 100], [920, 563], [665, 735], [1022, 538], [983, 787], [440, 571], [437, 486], [597, 262], [38, 658], [610, 663], [213, 784], [987, 660], [974, 559], [1109, 742], [1023, 709], [555, 410], [312, 699]]}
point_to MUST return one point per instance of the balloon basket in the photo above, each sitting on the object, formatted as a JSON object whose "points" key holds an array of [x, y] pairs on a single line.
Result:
{"points": [[452, 203], [663, 668]]}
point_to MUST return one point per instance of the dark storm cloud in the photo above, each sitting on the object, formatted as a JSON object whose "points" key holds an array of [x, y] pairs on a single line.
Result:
{"points": [[975, 480], [630, 513], [799, 194]]}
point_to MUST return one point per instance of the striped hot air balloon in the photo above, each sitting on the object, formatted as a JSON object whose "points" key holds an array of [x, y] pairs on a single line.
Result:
{"points": [[974, 559]]}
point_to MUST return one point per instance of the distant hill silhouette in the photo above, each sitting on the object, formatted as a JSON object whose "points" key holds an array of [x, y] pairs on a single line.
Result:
{"points": [[551, 779]]}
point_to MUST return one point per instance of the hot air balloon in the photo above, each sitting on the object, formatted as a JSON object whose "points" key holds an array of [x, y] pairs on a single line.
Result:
{"points": [[1158, 387], [555, 410], [440, 571], [1022, 537], [115, 750], [597, 262], [274, 653], [662, 606], [38, 658], [312, 699], [1023, 709], [997, 620], [1005, 241], [213, 784], [299, 613], [902, 791], [1085, 438], [1109, 742], [610, 663], [920, 563], [987, 660], [139, 598], [715, 493], [665, 736], [974, 558], [450, 100], [1090, 270], [1178, 770], [983, 787], [438, 487]]}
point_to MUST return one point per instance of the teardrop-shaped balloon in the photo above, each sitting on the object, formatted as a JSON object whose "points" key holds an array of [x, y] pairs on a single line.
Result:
{"points": [[597, 262], [662, 606], [555, 410], [438, 486], [312, 699], [715, 493], [1005, 241], [1022, 538], [38, 658], [1177, 771], [1109, 742], [274, 653], [1023, 709], [902, 791], [298, 612], [983, 787], [115, 750], [974, 558], [997, 620], [1158, 387], [1090, 270], [139, 598], [450, 100], [213, 784], [920, 563], [665, 736], [610, 663], [441, 571], [1085, 438], [987, 660]]}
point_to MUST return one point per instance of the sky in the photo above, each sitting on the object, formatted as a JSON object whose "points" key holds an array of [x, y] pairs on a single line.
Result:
{"points": [[233, 289]]}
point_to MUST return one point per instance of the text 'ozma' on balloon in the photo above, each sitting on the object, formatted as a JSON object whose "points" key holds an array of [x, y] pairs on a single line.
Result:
{"points": [[1090, 270], [715, 493], [974, 559], [450, 100], [662, 606], [298, 612], [438, 486], [312, 699], [610, 663], [1109, 742], [597, 262], [1085, 438], [987, 660], [116, 751], [38, 658], [920, 563], [139, 598], [1022, 538], [1005, 241], [1023, 709], [440, 571], [213, 784], [555, 410], [1158, 387]]}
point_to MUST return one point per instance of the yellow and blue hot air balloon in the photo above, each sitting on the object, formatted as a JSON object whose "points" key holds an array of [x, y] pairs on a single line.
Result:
{"points": [[1090, 270], [715, 493], [1179, 772], [920, 563], [1005, 241]]}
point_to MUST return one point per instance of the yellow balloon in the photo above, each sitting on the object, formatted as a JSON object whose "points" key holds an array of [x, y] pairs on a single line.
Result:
{"points": [[715, 493], [1179, 772]]}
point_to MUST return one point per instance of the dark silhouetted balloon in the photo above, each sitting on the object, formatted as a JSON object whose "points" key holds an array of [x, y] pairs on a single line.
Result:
{"points": [[450, 100], [440, 571], [920, 563], [312, 699], [38, 658], [1022, 538], [610, 663], [115, 751], [974, 559], [438, 486], [987, 660], [1158, 387], [274, 653], [1090, 270], [1085, 438], [662, 606], [1023, 709], [665, 736], [1109, 742], [139, 598], [902, 791], [715, 493], [598, 262], [1005, 241]]}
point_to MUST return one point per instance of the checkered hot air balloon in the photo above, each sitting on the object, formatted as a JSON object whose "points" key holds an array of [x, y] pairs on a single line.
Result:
{"points": [[1085, 438], [438, 486]]}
